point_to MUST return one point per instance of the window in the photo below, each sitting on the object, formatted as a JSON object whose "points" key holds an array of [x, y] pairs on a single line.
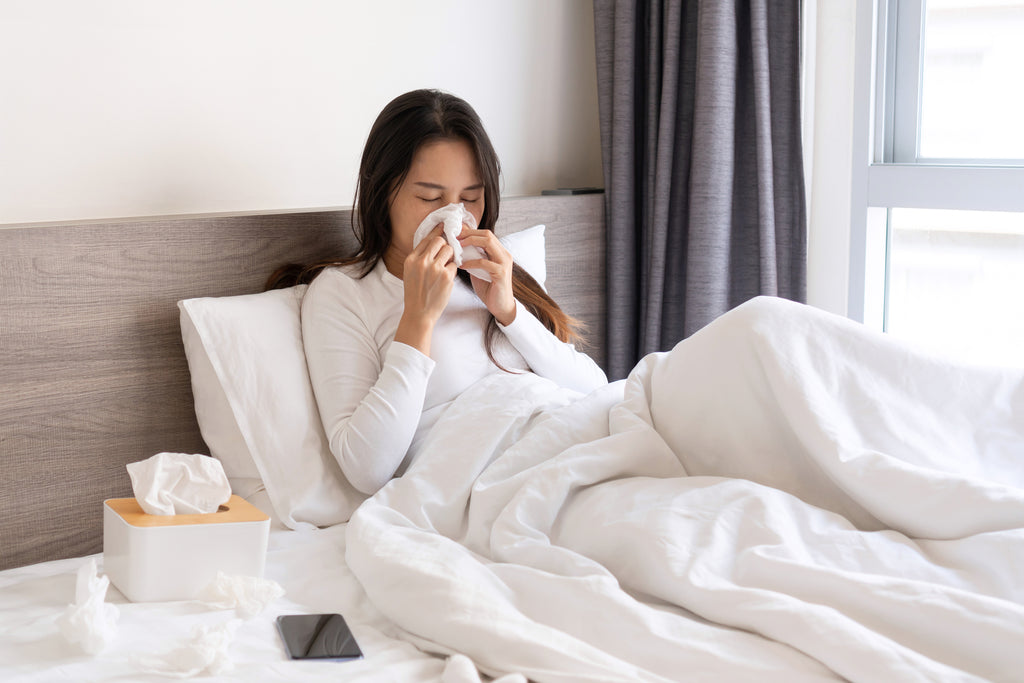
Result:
{"points": [[971, 99], [944, 223], [956, 282]]}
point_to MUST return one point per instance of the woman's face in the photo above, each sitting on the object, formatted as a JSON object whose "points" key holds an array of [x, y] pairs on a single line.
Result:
{"points": [[442, 172]]}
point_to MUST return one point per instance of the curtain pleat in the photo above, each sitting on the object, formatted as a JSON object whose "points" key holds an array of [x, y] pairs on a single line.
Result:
{"points": [[700, 131]]}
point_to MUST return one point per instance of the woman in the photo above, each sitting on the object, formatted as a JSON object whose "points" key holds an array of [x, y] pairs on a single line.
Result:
{"points": [[753, 476], [392, 335]]}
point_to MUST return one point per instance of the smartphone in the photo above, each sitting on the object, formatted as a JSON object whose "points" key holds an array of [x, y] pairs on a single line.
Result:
{"points": [[317, 636]]}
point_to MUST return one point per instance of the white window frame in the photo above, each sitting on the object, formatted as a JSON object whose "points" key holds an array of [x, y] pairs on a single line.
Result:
{"points": [[887, 171]]}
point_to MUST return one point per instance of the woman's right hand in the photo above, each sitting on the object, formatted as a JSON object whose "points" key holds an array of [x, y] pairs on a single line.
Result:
{"points": [[428, 274]]}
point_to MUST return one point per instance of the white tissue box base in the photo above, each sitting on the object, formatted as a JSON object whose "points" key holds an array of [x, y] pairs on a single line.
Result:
{"points": [[159, 558]]}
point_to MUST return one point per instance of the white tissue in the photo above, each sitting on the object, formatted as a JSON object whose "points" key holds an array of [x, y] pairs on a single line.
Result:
{"points": [[179, 484], [205, 653], [89, 621], [247, 595], [453, 216]]}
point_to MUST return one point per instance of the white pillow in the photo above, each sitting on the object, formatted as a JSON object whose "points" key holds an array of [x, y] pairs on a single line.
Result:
{"points": [[255, 405], [527, 249], [254, 402]]}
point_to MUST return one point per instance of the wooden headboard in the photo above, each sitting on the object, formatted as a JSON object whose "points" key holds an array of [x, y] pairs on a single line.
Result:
{"points": [[92, 368]]}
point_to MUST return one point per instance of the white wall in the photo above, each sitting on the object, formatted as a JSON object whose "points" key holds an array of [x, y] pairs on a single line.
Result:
{"points": [[117, 108]]}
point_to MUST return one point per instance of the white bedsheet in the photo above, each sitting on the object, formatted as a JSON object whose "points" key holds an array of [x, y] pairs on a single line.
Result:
{"points": [[309, 565], [807, 502]]}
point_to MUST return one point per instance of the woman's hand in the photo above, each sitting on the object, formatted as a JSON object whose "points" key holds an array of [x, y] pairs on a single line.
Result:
{"points": [[496, 294], [428, 274]]}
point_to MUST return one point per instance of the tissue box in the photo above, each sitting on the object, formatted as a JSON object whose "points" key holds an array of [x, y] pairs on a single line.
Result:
{"points": [[174, 557]]}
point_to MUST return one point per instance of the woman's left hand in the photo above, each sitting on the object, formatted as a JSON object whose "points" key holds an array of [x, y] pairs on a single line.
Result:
{"points": [[496, 294]]}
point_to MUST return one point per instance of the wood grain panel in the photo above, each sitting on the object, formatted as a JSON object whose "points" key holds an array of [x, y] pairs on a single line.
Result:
{"points": [[92, 367], [575, 241], [93, 374]]}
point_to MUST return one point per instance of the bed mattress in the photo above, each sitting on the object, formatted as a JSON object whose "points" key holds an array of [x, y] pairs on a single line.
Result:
{"points": [[780, 498], [310, 566]]}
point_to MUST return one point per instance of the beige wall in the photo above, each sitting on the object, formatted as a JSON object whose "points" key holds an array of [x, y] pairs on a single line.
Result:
{"points": [[116, 108]]}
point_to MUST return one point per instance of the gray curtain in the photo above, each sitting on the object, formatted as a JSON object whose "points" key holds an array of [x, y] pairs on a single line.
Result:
{"points": [[700, 133]]}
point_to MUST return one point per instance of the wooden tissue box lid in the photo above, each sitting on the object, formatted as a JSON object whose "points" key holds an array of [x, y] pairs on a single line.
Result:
{"points": [[237, 509]]}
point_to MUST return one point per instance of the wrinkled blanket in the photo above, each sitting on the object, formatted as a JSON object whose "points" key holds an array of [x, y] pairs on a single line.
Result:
{"points": [[785, 496]]}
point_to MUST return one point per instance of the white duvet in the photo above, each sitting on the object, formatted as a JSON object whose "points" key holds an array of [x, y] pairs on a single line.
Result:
{"points": [[783, 497]]}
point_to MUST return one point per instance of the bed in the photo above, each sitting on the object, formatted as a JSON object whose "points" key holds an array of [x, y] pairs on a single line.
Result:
{"points": [[782, 499]]}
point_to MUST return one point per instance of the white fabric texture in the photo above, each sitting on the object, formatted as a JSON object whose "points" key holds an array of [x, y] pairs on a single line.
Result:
{"points": [[255, 406], [598, 538], [452, 217], [309, 565], [785, 496], [254, 402], [179, 484], [527, 249], [377, 398], [214, 414]]}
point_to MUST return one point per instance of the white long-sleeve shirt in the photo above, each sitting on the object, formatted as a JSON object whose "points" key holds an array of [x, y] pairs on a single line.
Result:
{"points": [[377, 397]]}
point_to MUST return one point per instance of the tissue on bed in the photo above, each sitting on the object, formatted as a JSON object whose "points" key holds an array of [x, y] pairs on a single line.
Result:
{"points": [[205, 653], [179, 484], [453, 216], [89, 621], [247, 595]]}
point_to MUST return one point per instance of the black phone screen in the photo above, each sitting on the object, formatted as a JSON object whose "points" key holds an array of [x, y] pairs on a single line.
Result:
{"points": [[317, 636]]}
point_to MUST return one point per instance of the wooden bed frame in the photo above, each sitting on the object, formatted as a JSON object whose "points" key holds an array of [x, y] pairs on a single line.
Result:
{"points": [[93, 370]]}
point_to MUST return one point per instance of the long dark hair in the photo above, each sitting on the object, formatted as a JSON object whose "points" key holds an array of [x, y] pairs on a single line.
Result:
{"points": [[407, 123]]}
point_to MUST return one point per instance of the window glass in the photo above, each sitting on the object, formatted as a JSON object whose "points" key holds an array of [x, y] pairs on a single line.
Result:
{"points": [[972, 81], [956, 283]]}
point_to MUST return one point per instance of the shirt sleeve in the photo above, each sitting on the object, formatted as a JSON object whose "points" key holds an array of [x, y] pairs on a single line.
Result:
{"points": [[370, 403], [550, 357]]}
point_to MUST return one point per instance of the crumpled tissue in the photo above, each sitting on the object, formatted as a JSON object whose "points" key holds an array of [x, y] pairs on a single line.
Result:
{"points": [[453, 216], [89, 621], [179, 484], [247, 595], [205, 653]]}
